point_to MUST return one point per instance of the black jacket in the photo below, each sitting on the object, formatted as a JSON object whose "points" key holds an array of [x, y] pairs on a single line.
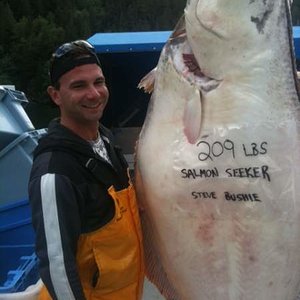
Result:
{"points": [[68, 196]]}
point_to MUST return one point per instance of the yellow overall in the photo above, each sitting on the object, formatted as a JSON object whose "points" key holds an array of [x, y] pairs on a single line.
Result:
{"points": [[116, 251]]}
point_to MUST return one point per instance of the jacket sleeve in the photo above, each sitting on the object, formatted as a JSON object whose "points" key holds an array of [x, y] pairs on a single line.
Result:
{"points": [[56, 220]]}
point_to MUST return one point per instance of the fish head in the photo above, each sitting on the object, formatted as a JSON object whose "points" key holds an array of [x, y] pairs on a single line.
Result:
{"points": [[227, 35]]}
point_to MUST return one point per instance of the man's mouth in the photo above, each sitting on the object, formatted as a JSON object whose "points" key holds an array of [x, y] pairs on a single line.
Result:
{"points": [[92, 105]]}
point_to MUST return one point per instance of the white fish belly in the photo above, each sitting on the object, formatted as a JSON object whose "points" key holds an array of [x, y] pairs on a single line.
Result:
{"points": [[225, 211]]}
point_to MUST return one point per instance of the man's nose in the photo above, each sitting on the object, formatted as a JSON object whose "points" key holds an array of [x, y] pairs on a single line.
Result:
{"points": [[93, 92]]}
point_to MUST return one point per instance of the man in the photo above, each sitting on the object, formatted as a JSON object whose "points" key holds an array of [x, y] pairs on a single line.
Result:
{"points": [[84, 212]]}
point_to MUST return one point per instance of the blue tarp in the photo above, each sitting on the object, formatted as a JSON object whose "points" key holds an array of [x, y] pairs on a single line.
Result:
{"points": [[129, 41], [147, 41], [296, 34]]}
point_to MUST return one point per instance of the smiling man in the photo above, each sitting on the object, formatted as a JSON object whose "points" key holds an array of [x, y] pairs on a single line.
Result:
{"points": [[84, 212]]}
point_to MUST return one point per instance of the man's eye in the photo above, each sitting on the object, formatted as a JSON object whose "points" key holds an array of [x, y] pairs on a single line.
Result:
{"points": [[100, 82], [78, 86]]}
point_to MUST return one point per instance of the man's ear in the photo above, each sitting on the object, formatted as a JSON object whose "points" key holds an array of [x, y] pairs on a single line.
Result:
{"points": [[54, 94]]}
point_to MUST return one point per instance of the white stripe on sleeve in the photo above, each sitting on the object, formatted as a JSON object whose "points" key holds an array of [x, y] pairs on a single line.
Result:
{"points": [[54, 244]]}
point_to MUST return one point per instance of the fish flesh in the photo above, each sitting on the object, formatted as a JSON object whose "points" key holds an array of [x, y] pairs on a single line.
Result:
{"points": [[218, 159]]}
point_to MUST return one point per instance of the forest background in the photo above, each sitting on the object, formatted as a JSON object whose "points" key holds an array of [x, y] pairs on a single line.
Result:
{"points": [[31, 29]]}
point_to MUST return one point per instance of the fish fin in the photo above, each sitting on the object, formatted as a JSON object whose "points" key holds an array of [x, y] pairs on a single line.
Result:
{"points": [[179, 28], [153, 267], [192, 117], [154, 270], [147, 82]]}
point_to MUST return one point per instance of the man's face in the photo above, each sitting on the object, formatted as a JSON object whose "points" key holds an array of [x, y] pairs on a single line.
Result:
{"points": [[82, 96]]}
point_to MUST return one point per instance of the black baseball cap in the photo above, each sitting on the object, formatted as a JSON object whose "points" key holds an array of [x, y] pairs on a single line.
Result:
{"points": [[70, 55]]}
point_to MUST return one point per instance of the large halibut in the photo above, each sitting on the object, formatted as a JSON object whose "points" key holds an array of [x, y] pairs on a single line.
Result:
{"points": [[218, 159]]}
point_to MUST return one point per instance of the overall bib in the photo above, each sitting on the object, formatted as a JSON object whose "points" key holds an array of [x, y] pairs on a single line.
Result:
{"points": [[110, 260]]}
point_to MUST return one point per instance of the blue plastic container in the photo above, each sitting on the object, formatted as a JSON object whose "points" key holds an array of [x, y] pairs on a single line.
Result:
{"points": [[15, 225], [19, 278], [18, 262], [15, 165], [14, 120]]}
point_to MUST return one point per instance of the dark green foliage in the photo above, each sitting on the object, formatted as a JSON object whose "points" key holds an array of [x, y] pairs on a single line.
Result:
{"points": [[31, 46], [296, 12], [31, 29]]}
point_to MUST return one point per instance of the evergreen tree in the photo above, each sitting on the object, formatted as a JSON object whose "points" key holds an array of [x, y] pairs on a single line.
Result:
{"points": [[31, 29], [34, 42], [21, 8], [96, 15], [296, 12], [7, 68], [7, 24], [78, 26]]}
